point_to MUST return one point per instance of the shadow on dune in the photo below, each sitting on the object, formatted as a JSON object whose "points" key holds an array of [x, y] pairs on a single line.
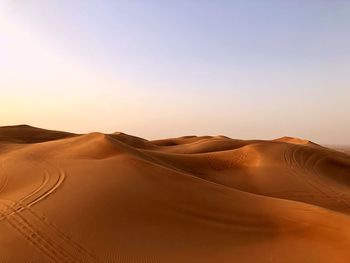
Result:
{"points": [[119, 198]]}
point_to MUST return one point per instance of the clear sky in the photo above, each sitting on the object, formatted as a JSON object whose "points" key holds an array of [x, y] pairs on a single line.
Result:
{"points": [[245, 69]]}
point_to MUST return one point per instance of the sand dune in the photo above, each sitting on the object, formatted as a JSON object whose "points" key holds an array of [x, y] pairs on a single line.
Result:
{"points": [[119, 198]]}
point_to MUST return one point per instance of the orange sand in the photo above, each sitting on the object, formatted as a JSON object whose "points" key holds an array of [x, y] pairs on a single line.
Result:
{"points": [[119, 198]]}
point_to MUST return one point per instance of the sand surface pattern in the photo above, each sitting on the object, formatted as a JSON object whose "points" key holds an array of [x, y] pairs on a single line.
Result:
{"points": [[118, 198]]}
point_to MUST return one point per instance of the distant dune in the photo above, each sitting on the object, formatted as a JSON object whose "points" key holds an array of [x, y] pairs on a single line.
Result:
{"points": [[340, 148], [119, 198]]}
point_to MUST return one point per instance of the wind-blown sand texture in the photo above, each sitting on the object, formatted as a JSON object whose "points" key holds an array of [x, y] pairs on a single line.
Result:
{"points": [[119, 198]]}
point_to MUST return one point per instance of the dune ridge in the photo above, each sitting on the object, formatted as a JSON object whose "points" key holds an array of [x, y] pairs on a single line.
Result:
{"points": [[98, 197]]}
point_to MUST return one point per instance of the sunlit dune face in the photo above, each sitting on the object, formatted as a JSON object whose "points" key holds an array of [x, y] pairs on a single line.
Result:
{"points": [[98, 197]]}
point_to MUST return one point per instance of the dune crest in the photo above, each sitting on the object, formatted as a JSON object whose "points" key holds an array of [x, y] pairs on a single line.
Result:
{"points": [[29, 134], [295, 140], [120, 198]]}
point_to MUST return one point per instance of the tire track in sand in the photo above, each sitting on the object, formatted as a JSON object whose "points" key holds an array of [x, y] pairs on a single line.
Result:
{"points": [[305, 169], [37, 229], [45, 236], [51, 181]]}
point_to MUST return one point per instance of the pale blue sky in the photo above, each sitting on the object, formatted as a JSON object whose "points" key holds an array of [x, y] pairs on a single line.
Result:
{"points": [[246, 69]]}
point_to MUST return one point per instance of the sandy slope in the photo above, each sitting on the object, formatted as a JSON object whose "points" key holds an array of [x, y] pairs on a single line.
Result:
{"points": [[120, 198]]}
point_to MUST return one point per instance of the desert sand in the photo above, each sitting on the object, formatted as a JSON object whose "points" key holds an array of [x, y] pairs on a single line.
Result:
{"points": [[119, 198]]}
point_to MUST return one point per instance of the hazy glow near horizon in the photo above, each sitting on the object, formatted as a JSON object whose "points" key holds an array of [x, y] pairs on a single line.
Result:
{"points": [[246, 69]]}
